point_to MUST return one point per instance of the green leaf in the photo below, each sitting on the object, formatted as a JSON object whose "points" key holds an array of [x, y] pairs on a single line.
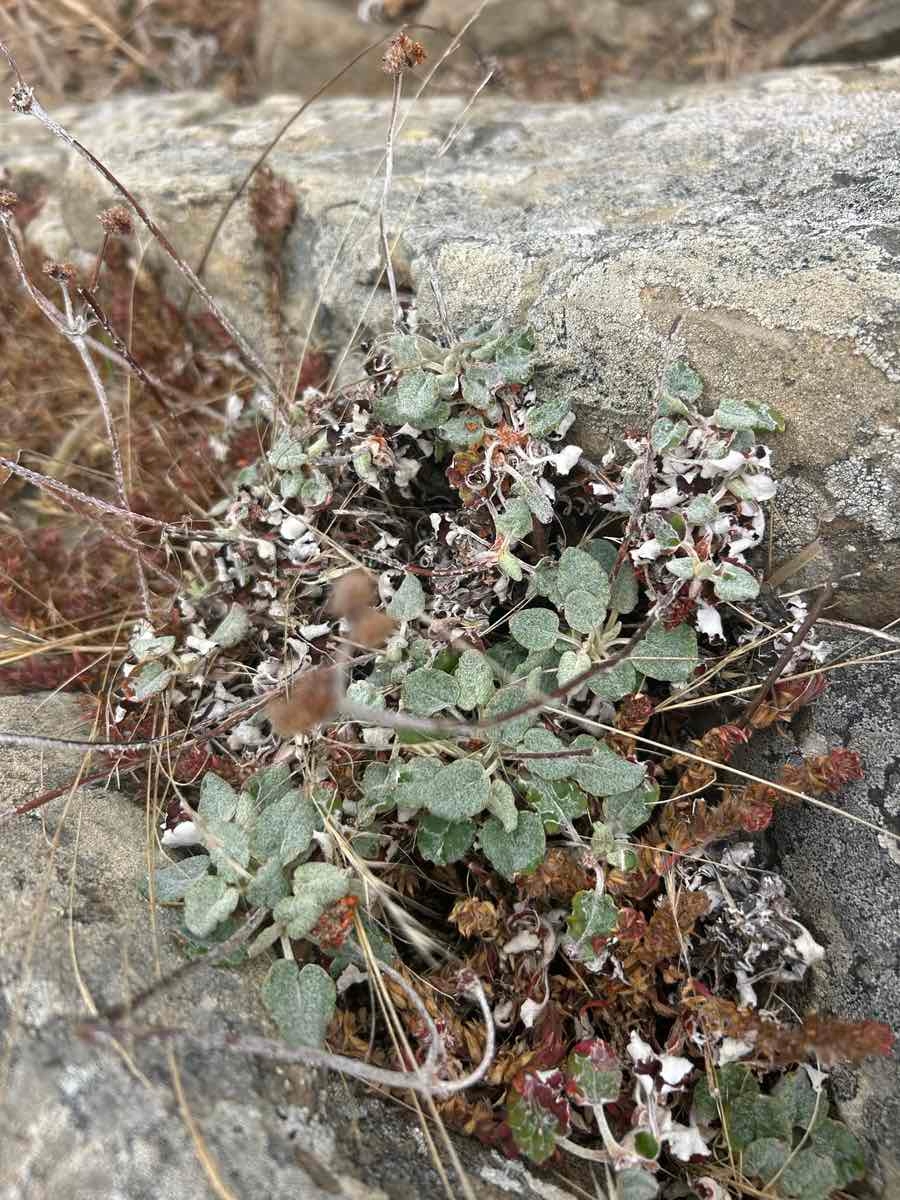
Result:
{"points": [[145, 645], [752, 1117], [545, 418], [605, 773], [583, 612], [537, 1117], [682, 382], [444, 842], [542, 740], [580, 570], [513, 354], [427, 691], [228, 846], [635, 1184], [510, 566], [208, 901], [415, 782], [287, 454], [701, 511], [603, 841], [475, 679], [232, 629], [301, 1003], [620, 680], [664, 531], [628, 811], [148, 680], [668, 654], [284, 829], [834, 1141], [545, 582], [408, 601], [171, 883], [571, 665], [514, 852], [458, 790], [808, 1176], [592, 916], [535, 628], [316, 887], [268, 886], [218, 799], [665, 434], [416, 401], [315, 490], [732, 1080], [623, 589], [735, 583], [742, 414], [269, 784], [467, 430], [511, 732], [516, 519], [764, 1158], [502, 804], [646, 1144], [798, 1099], [379, 786], [595, 1073], [410, 350], [559, 804]]}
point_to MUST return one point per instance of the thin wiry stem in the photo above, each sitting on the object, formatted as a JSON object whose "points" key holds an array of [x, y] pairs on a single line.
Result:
{"points": [[382, 210]]}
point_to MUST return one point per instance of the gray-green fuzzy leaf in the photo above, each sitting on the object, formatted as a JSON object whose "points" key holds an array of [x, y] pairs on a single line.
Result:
{"points": [[207, 902], [284, 829], [475, 679], [583, 612], [443, 842], [232, 629], [171, 883], [300, 1002], [605, 773], [427, 691], [535, 628], [502, 804], [459, 790], [580, 569], [668, 654], [409, 600], [218, 799], [516, 852]]}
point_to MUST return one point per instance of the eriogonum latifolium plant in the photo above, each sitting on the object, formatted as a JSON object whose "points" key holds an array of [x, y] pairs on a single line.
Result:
{"points": [[464, 654]]}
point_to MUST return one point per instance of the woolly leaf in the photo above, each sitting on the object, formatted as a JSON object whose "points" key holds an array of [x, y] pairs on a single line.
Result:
{"points": [[701, 511], [268, 886], [808, 1176], [228, 846], [475, 679], [537, 1115], [301, 1003], [580, 570], [752, 1117], [232, 629], [635, 1184], [502, 804], [218, 799], [415, 401], [207, 902], [735, 583], [415, 780], [594, 1073], [732, 1080], [316, 887], [628, 811], [623, 589], [541, 739], [834, 1141], [465, 430], [460, 789], [511, 732], [592, 916], [571, 665], [513, 354], [515, 852], [583, 612], [510, 566], [668, 654], [444, 842], [171, 883], [682, 382], [516, 520], [741, 414], [545, 582], [427, 691], [408, 601], [604, 773], [797, 1098], [618, 681], [268, 785], [315, 490], [148, 680], [287, 454], [559, 804], [284, 829], [545, 418], [145, 645], [535, 628], [764, 1158], [665, 434]]}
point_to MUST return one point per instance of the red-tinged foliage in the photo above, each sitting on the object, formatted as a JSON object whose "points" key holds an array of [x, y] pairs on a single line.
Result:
{"points": [[331, 929]]}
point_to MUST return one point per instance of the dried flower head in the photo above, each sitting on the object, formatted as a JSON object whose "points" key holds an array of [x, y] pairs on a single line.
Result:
{"points": [[403, 54], [372, 628], [8, 201], [116, 221], [20, 98], [312, 700], [62, 272]]}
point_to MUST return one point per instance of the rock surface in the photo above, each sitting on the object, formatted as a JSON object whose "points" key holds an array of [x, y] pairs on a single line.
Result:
{"points": [[845, 878], [79, 1121], [764, 214]]}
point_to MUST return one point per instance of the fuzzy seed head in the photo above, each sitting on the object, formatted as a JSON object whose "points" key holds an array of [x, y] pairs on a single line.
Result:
{"points": [[351, 594], [403, 54], [116, 221], [62, 272], [313, 699]]}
